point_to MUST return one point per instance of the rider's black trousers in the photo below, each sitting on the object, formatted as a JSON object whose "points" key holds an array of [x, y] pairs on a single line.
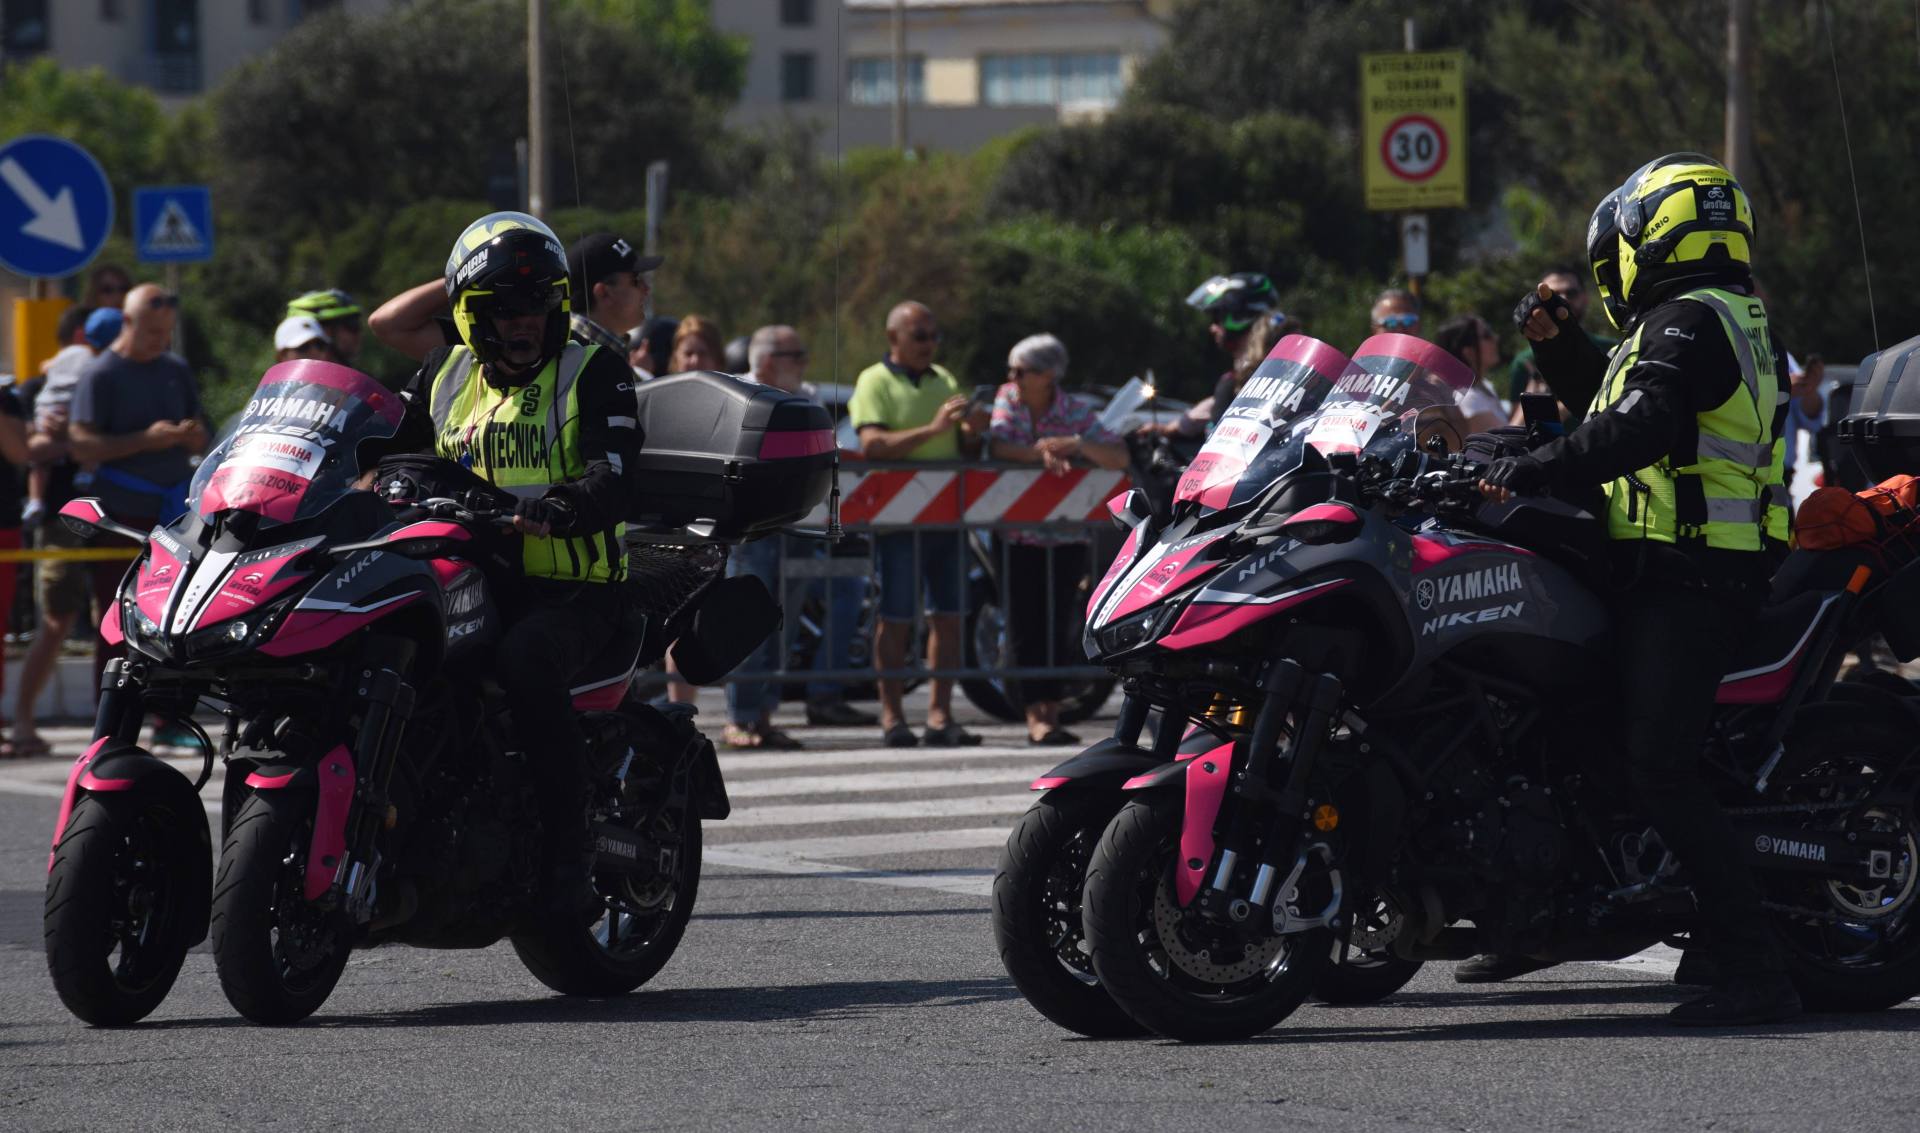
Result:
{"points": [[1674, 644], [560, 627]]}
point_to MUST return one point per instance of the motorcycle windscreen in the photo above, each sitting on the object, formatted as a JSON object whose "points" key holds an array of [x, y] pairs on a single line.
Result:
{"points": [[1397, 391], [294, 449], [1240, 458]]}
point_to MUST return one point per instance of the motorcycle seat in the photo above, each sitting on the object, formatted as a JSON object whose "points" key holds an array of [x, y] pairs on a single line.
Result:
{"points": [[601, 684], [1779, 642]]}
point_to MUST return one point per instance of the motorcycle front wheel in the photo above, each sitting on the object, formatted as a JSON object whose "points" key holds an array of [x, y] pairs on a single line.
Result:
{"points": [[115, 928], [1178, 974], [277, 955], [1037, 922]]}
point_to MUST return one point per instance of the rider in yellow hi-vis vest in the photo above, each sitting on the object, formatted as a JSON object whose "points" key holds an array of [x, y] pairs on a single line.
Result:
{"points": [[551, 422], [1681, 437]]}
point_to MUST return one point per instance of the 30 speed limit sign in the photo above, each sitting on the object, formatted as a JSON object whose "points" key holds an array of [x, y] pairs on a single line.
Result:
{"points": [[1413, 112], [1414, 147]]}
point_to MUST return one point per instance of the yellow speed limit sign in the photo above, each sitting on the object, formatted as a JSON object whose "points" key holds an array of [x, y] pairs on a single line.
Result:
{"points": [[1413, 116]]}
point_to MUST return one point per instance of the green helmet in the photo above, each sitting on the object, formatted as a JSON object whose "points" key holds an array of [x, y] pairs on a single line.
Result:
{"points": [[1235, 301], [324, 306]]}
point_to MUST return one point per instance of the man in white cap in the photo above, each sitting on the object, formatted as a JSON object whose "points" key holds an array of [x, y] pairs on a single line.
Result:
{"points": [[301, 336]]}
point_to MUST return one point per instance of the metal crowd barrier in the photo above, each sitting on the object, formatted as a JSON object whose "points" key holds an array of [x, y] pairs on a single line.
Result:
{"points": [[1009, 528]]}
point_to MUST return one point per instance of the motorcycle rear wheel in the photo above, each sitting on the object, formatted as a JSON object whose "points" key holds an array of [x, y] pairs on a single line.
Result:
{"points": [[1851, 948], [631, 941], [1160, 963], [277, 955], [1037, 922], [115, 932]]}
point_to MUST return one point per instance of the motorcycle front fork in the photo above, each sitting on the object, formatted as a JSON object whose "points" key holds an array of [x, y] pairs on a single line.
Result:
{"points": [[386, 704], [1269, 809]]}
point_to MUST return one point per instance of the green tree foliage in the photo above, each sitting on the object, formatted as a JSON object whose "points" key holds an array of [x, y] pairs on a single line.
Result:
{"points": [[121, 126]]}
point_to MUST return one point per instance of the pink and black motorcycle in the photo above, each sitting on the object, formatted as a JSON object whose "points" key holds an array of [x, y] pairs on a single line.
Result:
{"points": [[1382, 739], [340, 617]]}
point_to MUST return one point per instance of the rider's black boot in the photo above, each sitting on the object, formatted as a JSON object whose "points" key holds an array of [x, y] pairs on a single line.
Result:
{"points": [[1742, 1001]]}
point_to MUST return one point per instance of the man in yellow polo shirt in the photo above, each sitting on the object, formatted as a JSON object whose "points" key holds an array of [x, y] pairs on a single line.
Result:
{"points": [[907, 407]]}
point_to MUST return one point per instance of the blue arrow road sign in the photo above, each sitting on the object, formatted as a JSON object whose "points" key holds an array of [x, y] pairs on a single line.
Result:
{"points": [[173, 224], [56, 207]]}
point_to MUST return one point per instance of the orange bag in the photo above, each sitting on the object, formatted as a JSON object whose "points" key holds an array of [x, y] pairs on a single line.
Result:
{"points": [[1834, 517]]}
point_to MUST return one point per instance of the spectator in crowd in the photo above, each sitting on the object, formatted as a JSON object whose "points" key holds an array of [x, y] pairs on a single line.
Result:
{"points": [[338, 315], [653, 347], [301, 336], [1806, 408], [13, 453], [107, 286], [610, 288], [696, 346], [74, 352], [778, 358], [737, 361], [46, 406], [1395, 312], [908, 407], [1470, 338], [137, 419], [639, 354], [1044, 574]]}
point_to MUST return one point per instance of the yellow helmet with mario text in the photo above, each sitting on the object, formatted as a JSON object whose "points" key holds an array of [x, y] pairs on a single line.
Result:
{"points": [[1681, 217], [508, 264]]}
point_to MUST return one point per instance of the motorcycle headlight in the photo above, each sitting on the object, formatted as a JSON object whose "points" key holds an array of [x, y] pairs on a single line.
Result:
{"points": [[240, 633], [141, 631], [1133, 630]]}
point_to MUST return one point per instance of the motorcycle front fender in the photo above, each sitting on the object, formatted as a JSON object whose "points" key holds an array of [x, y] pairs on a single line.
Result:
{"points": [[331, 784], [1107, 763], [1204, 779], [124, 771]]}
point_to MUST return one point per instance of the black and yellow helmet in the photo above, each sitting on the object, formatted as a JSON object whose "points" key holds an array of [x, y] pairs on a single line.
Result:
{"points": [[1603, 253], [1680, 216], [508, 263]]}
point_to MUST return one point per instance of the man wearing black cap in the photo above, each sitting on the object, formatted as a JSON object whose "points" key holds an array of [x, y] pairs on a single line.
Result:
{"points": [[610, 277]]}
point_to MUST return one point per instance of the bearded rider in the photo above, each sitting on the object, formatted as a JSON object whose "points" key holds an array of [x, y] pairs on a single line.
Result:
{"points": [[1681, 435], [551, 422]]}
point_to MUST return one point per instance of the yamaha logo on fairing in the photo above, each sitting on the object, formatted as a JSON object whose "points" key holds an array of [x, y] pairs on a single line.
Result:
{"points": [[1788, 848], [1467, 586], [464, 600]]}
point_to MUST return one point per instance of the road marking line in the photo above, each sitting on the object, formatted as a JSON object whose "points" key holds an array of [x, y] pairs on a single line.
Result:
{"points": [[970, 882], [809, 814], [874, 845], [737, 763], [878, 781]]}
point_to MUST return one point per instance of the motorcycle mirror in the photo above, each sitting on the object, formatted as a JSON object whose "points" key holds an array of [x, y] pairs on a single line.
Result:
{"points": [[86, 517], [1129, 508], [1322, 523]]}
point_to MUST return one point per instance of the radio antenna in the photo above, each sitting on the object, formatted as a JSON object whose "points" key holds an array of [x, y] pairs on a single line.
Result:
{"points": [[1866, 263]]}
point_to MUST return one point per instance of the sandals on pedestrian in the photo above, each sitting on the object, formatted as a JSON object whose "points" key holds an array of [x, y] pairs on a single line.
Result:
{"points": [[1053, 737], [901, 736], [742, 738], [33, 747], [953, 735]]}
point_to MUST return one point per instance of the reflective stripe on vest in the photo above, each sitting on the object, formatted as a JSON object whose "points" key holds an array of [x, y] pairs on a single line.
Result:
{"points": [[1718, 493], [524, 440]]}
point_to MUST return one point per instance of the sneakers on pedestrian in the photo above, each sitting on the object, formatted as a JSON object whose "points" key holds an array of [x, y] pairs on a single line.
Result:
{"points": [[838, 713], [1493, 969], [1742, 1002]]}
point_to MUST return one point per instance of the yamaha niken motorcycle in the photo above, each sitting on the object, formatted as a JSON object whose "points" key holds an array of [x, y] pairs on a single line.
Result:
{"points": [[1402, 692], [341, 617]]}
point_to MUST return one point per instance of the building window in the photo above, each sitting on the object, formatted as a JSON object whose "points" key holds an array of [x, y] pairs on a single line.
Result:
{"points": [[796, 76], [1091, 79], [870, 81], [109, 11], [23, 27], [256, 12], [796, 13]]}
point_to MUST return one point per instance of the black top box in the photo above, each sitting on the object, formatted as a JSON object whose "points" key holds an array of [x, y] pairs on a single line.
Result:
{"points": [[733, 460], [1882, 427]]}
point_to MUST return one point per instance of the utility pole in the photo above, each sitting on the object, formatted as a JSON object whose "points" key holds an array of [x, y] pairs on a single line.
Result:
{"points": [[1413, 225], [900, 75], [1739, 141], [537, 164]]}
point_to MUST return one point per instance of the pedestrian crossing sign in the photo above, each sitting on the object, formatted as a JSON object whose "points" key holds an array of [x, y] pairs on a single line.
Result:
{"points": [[173, 224]]}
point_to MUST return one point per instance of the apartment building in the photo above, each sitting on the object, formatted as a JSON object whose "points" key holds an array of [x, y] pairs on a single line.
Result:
{"points": [[974, 69], [177, 48]]}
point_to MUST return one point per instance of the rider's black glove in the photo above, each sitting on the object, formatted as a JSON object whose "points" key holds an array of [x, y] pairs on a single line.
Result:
{"points": [[556, 514], [1521, 475], [1555, 305]]}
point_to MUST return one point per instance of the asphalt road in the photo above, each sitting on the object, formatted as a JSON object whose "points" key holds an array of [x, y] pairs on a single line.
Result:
{"points": [[840, 974]]}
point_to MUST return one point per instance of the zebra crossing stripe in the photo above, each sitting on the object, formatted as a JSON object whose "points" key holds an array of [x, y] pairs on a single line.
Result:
{"points": [[876, 845], [870, 781], [812, 814]]}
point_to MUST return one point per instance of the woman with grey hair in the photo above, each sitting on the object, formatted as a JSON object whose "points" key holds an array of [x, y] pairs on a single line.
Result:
{"points": [[1043, 573]]}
